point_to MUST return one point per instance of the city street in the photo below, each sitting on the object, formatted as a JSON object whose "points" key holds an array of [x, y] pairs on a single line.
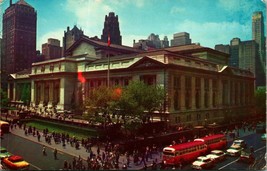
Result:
{"points": [[31, 150]]}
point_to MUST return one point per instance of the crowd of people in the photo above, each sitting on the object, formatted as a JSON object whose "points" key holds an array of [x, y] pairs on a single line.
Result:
{"points": [[109, 155]]}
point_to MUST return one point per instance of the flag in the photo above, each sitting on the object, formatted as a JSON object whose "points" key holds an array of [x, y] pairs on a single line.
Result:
{"points": [[108, 40], [81, 77]]}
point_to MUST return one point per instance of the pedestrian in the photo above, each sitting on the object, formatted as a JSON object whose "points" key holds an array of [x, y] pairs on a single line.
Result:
{"points": [[38, 137], [65, 165], [98, 150], [44, 151], [55, 154]]}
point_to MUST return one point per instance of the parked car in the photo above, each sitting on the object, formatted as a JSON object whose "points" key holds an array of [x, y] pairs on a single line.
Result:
{"points": [[202, 162], [240, 143], [15, 162], [261, 128], [4, 153], [234, 150], [216, 155], [246, 157], [263, 137]]}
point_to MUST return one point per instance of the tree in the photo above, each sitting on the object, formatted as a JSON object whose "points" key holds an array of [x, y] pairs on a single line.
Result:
{"points": [[4, 99], [99, 101], [260, 101], [26, 93], [138, 97]]}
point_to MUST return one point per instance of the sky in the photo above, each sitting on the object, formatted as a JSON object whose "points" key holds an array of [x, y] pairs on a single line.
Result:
{"points": [[209, 22]]}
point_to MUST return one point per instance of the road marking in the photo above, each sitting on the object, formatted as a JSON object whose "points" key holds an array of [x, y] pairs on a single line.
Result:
{"points": [[260, 148], [38, 168], [237, 159], [227, 164]]}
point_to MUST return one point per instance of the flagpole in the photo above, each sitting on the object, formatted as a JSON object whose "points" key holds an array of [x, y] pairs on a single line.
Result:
{"points": [[108, 68], [108, 60]]}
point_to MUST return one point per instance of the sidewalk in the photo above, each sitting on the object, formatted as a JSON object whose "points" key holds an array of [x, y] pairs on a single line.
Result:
{"points": [[82, 152]]}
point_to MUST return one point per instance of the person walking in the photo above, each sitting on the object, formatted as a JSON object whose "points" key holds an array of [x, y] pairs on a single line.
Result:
{"points": [[55, 154], [44, 151]]}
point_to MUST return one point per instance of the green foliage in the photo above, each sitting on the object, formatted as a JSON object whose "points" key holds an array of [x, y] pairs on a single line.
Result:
{"points": [[4, 99], [138, 97], [26, 93], [99, 101], [260, 100], [63, 128], [129, 102]]}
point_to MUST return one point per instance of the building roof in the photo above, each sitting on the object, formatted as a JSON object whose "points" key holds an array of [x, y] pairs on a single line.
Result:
{"points": [[103, 45], [22, 2]]}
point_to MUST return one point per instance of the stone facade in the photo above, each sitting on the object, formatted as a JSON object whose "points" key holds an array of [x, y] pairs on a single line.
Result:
{"points": [[198, 90]]}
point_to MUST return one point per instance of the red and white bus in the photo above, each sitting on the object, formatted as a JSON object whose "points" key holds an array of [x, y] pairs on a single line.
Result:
{"points": [[4, 127], [214, 142], [185, 152]]}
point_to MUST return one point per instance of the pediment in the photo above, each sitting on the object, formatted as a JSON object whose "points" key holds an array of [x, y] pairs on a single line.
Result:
{"points": [[227, 71], [145, 63]]}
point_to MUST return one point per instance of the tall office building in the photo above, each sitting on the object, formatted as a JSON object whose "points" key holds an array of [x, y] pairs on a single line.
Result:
{"points": [[152, 42], [52, 49], [111, 28], [223, 48], [179, 39], [71, 36], [19, 37], [164, 42], [234, 51], [258, 34], [244, 55]]}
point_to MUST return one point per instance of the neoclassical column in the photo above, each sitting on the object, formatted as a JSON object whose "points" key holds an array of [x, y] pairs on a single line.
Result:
{"points": [[182, 97], [220, 92], [210, 93], [42, 93], [193, 94], [33, 92], [228, 90], [233, 93], [8, 90], [61, 93], [202, 93], [14, 91], [51, 93]]}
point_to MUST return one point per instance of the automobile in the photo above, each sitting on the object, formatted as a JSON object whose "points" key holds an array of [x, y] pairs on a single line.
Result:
{"points": [[261, 128], [234, 150], [15, 162], [263, 137], [246, 157], [216, 155], [240, 143], [4, 153], [202, 162]]}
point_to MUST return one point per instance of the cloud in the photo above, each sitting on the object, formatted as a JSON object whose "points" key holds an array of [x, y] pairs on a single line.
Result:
{"points": [[211, 33], [177, 10], [56, 34], [90, 14]]}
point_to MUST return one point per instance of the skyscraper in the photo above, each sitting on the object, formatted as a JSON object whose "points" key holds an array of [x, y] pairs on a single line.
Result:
{"points": [[182, 38], [70, 36], [258, 34], [52, 49], [112, 28], [19, 37]]}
